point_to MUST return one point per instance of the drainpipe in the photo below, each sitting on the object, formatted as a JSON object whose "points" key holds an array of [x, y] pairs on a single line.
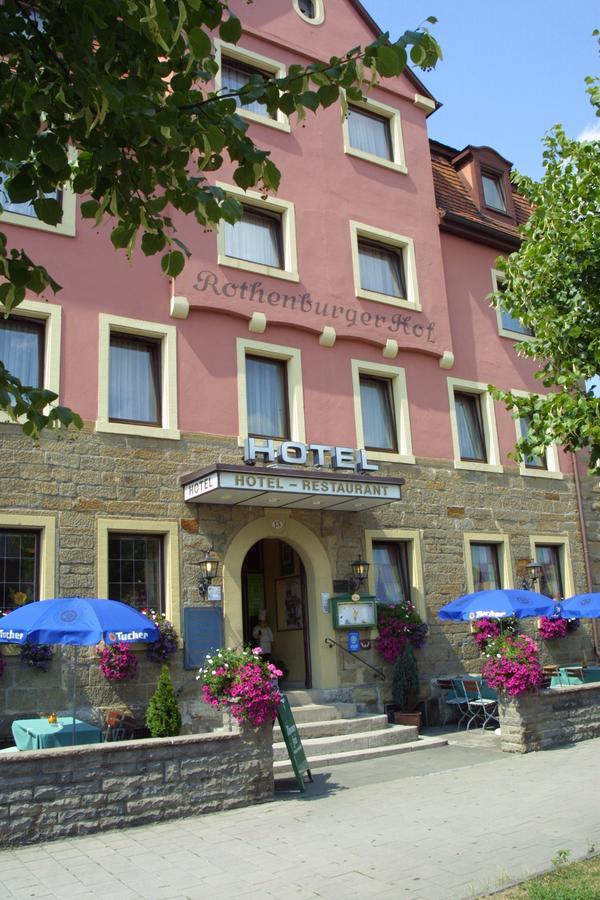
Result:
{"points": [[586, 552]]}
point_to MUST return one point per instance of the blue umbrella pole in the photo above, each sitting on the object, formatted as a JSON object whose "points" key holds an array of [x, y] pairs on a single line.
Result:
{"points": [[74, 692]]}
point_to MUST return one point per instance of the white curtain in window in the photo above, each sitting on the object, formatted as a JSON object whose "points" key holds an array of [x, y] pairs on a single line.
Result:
{"points": [[369, 133], [484, 561], [234, 78], [255, 238], [548, 557], [378, 424], [381, 270], [266, 397], [21, 349], [392, 580], [470, 435], [132, 388]]}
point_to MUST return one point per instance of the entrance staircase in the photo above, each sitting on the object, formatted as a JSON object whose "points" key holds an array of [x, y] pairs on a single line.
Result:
{"points": [[333, 733]]}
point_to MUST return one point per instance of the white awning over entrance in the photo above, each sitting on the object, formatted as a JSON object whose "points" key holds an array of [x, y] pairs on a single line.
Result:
{"points": [[277, 487]]}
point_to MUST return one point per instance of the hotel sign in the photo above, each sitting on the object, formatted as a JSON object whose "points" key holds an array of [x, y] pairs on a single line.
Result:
{"points": [[278, 487], [296, 453]]}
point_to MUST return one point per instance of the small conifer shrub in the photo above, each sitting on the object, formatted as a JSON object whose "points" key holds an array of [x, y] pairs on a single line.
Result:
{"points": [[162, 716]]}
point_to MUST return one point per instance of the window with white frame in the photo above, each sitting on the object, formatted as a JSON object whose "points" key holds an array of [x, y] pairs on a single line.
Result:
{"points": [[396, 567], [270, 392], [473, 426], [531, 462], [487, 561], [384, 266], [508, 326], [239, 67], [548, 556], [373, 131], [23, 213], [137, 384], [311, 11], [381, 411], [263, 240], [547, 464]]}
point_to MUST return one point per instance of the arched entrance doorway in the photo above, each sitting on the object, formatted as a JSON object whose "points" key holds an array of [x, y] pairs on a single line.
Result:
{"points": [[274, 593]]}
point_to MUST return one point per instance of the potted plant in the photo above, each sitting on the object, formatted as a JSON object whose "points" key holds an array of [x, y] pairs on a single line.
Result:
{"points": [[405, 688]]}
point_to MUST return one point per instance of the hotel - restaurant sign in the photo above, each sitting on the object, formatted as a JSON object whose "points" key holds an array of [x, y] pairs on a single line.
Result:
{"points": [[277, 486]]}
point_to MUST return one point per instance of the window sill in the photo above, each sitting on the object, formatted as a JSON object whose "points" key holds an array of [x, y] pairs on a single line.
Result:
{"points": [[515, 335], [282, 124], [477, 466], [247, 266], [66, 229], [540, 473], [390, 457], [387, 299], [377, 160], [148, 431]]}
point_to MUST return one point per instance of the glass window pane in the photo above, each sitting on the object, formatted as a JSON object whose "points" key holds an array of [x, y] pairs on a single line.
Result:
{"points": [[19, 560], [266, 397], [511, 324], [551, 582], [531, 462], [307, 8], [135, 570], [134, 380], [392, 578], [26, 207], [369, 133], [255, 237], [484, 563], [234, 75], [379, 427], [492, 192], [470, 429], [22, 349], [381, 269]]}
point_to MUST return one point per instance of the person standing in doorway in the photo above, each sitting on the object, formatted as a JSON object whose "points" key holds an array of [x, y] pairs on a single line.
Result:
{"points": [[263, 636]]}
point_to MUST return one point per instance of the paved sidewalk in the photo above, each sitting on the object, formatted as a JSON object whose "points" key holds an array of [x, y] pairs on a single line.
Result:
{"points": [[449, 823]]}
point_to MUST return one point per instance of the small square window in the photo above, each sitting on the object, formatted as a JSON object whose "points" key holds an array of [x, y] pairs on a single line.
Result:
{"points": [[391, 572], [267, 398], [551, 582], [493, 192], [235, 75], [381, 269], [485, 567], [19, 568], [134, 380], [256, 237], [370, 133], [471, 436], [135, 570], [377, 408], [22, 349]]}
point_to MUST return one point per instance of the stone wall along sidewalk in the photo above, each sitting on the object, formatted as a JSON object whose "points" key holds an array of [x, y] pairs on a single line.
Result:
{"points": [[47, 794], [553, 717]]}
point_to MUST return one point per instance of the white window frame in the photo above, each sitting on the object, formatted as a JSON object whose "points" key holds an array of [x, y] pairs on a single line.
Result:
{"points": [[383, 111], [51, 313], [497, 279], [257, 61], [169, 529], [413, 536], [396, 242], [293, 359], [167, 335], [397, 377], [552, 456], [319, 12], [67, 226], [502, 542], [562, 542], [282, 208], [46, 525], [488, 419]]}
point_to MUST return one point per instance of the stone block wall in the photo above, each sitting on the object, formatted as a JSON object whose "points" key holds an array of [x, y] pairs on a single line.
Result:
{"points": [[49, 794], [553, 717]]}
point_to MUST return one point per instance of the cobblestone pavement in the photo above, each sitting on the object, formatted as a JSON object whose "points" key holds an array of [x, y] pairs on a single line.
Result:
{"points": [[448, 823]]}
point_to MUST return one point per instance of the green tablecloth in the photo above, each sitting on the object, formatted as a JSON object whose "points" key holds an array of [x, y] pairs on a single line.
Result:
{"points": [[39, 734]]}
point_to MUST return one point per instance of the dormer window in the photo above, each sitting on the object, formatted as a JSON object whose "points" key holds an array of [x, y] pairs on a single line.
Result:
{"points": [[493, 191]]}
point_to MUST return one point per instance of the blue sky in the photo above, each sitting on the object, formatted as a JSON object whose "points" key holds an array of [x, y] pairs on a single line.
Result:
{"points": [[511, 69]]}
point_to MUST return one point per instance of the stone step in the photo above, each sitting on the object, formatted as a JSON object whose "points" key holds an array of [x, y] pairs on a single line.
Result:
{"points": [[336, 727], [362, 740], [316, 712], [283, 767]]}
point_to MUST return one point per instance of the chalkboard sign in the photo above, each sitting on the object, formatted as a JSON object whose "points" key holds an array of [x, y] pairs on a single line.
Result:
{"points": [[292, 741]]}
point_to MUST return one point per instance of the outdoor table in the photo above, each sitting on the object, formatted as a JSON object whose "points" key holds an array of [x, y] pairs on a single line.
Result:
{"points": [[591, 674], [39, 734]]}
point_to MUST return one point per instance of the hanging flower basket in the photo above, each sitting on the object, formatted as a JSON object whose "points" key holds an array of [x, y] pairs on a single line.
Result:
{"points": [[117, 662], [242, 683], [162, 649], [487, 629], [552, 628], [36, 656], [399, 625]]}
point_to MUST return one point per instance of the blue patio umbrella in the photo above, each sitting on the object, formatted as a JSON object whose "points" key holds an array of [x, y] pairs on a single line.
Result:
{"points": [[76, 621], [496, 604], [581, 606]]}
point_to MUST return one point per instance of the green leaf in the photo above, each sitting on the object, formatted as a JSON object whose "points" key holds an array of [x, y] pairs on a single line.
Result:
{"points": [[89, 208], [328, 94], [231, 29], [49, 210], [388, 62], [120, 236], [309, 99], [153, 243], [199, 43], [172, 263]]}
